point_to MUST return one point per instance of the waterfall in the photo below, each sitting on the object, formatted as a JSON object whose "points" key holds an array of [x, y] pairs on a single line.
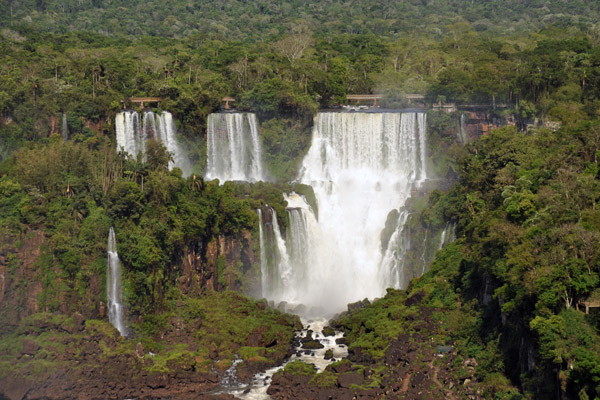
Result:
{"points": [[133, 130], [422, 132], [130, 135], [303, 246], [423, 260], [263, 254], [64, 127], [393, 261], [462, 132], [113, 285], [361, 166], [443, 237], [275, 263], [285, 269], [233, 148], [448, 235]]}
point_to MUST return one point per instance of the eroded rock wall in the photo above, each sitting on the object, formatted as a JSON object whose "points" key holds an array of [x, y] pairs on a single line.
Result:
{"points": [[31, 282]]}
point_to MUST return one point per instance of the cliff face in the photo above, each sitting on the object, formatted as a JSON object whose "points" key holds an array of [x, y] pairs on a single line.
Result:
{"points": [[31, 282], [226, 262], [20, 285], [478, 123]]}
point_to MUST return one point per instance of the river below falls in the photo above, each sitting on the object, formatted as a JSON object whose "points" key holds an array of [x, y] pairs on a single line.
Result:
{"points": [[257, 389]]}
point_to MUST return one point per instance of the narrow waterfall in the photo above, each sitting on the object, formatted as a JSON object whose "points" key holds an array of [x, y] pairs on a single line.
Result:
{"points": [[422, 132], [285, 269], [134, 129], [423, 260], [303, 237], [462, 131], [264, 267], [233, 148], [411, 248], [393, 262], [130, 135], [448, 235], [113, 286], [64, 129], [275, 263], [361, 166], [443, 236]]}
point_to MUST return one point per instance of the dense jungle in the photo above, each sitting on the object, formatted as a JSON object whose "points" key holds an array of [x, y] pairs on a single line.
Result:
{"points": [[507, 310]]}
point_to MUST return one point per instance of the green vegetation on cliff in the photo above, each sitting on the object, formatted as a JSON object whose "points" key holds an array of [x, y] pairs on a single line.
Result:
{"points": [[505, 293], [526, 211], [188, 342], [551, 74], [525, 259], [74, 192], [504, 305]]}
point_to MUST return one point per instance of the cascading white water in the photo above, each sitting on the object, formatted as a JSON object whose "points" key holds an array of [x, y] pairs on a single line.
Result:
{"points": [[443, 236], [285, 268], [303, 238], [64, 127], [133, 131], [361, 166], [233, 148], [275, 264], [257, 389], [113, 286], [448, 235], [462, 131], [423, 259], [130, 135], [393, 260], [264, 271]]}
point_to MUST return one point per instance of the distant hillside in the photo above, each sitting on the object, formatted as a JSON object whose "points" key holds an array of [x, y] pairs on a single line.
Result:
{"points": [[238, 19]]}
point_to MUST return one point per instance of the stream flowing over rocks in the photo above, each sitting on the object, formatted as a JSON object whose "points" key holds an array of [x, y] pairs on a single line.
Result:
{"points": [[311, 346]]}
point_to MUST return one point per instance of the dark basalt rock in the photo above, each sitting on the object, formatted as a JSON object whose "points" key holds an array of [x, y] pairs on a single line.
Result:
{"points": [[79, 321], [358, 305], [308, 336], [414, 299], [328, 331], [359, 356], [312, 344], [30, 347], [255, 339], [341, 340], [349, 378]]}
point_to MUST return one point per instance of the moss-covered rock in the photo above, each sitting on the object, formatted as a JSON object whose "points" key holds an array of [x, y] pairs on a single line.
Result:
{"points": [[328, 331], [183, 344], [299, 368]]}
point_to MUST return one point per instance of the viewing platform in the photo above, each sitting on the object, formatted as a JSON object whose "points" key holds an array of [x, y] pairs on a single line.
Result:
{"points": [[415, 98], [141, 101], [364, 97], [447, 107], [588, 304], [412, 98], [226, 101]]}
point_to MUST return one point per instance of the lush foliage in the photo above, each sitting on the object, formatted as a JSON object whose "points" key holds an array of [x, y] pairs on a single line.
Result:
{"points": [[528, 252], [285, 78], [189, 335], [525, 208], [76, 191], [255, 20]]}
